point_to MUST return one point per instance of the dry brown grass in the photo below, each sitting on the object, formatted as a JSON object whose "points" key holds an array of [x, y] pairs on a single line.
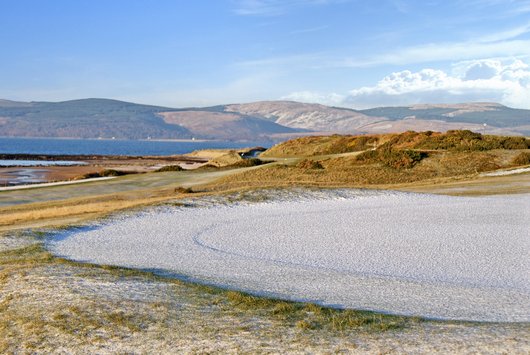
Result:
{"points": [[322, 145], [522, 158], [342, 171], [449, 141], [382, 168], [85, 208], [348, 171]]}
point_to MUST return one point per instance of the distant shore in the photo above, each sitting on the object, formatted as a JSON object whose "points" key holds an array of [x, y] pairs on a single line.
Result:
{"points": [[22, 175], [177, 140]]}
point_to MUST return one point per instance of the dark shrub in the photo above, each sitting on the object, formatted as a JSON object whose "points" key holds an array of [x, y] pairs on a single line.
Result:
{"points": [[183, 190], [402, 159], [367, 156], [246, 163], [309, 164], [105, 173], [169, 168], [394, 158]]}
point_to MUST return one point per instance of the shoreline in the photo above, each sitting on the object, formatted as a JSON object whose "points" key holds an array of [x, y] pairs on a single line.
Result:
{"points": [[89, 157], [17, 175], [177, 140]]}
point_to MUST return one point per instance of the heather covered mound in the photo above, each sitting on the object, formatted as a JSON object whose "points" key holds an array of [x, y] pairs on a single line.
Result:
{"points": [[451, 140], [385, 159], [322, 145]]}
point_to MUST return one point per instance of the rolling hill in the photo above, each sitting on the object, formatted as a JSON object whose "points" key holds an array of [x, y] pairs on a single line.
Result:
{"points": [[274, 120], [88, 118]]}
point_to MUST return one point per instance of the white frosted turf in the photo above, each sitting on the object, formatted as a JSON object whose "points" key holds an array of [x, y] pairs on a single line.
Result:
{"points": [[507, 172], [441, 257]]}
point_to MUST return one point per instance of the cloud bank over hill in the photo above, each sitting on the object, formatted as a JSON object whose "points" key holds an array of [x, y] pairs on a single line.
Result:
{"points": [[486, 80]]}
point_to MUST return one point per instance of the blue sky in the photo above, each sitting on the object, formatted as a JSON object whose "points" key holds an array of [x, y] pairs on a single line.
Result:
{"points": [[351, 53]]}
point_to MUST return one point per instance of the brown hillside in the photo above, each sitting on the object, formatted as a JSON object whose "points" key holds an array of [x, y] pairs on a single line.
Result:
{"points": [[322, 145], [450, 140], [399, 159]]}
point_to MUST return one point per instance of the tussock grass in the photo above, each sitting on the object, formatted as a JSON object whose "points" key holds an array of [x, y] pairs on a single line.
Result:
{"points": [[455, 140], [321, 145], [522, 158], [85, 208], [376, 169], [28, 256], [247, 163], [309, 164], [310, 316]]}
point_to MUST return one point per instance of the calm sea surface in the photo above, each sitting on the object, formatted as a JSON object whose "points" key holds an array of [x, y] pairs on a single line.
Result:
{"points": [[111, 147], [4, 163]]}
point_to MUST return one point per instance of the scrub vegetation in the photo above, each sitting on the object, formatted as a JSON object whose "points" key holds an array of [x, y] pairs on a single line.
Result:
{"points": [[105, 173], [406, 158]]}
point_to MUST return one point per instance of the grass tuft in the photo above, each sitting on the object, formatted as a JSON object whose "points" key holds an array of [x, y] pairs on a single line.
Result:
{"points": [[307, 316], [522, 158]]}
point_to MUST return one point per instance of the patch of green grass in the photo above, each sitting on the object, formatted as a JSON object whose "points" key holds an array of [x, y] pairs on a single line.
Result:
{"points": [[29, 255]]}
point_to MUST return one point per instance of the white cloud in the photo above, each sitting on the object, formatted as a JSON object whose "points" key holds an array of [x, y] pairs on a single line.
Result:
{"points": [[480, 80], [442, 52]]}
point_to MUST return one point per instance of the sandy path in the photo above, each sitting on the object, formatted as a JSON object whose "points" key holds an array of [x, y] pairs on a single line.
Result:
{"points": [[434, 256]]}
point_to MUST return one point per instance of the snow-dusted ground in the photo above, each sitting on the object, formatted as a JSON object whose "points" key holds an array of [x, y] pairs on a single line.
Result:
{"points": [[414, 254], [507, 172]]}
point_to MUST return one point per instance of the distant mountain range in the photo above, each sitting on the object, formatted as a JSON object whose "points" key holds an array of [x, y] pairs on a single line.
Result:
{"points": [[274, 120]]}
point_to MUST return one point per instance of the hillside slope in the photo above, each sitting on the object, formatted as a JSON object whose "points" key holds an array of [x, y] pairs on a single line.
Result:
{"points": [[88, 118], [220, 125], [380, 160], [500, 119], [276, 120], [313, 117]]}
